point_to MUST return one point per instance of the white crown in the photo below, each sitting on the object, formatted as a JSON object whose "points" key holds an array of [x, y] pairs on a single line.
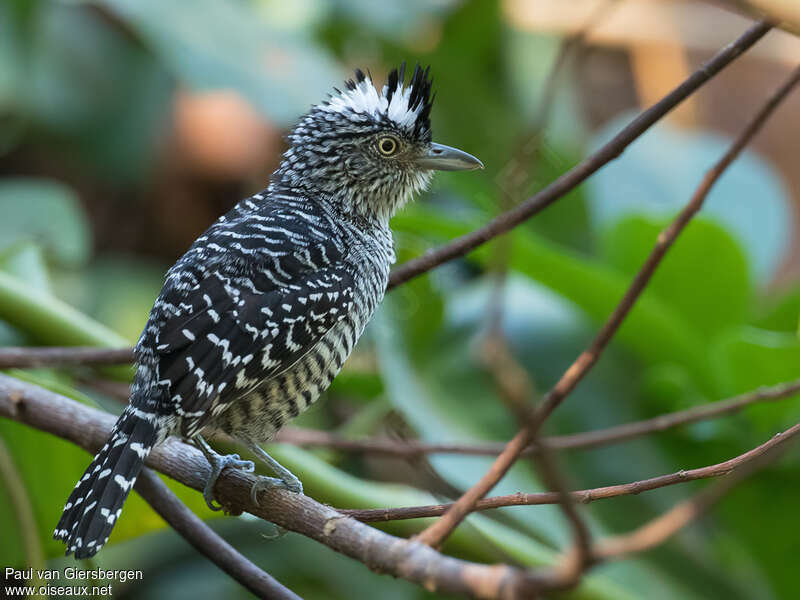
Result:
{"points": [[362, 97]]}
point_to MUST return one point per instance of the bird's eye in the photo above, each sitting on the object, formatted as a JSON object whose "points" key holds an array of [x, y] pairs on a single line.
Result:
{"points": [[387, 145]]}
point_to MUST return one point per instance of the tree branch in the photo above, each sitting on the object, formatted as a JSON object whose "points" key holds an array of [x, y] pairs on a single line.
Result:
{"points": [[513, 383], [381, 552], [661, 528], [506, 221], [89, 428], [438, 532], [24, 357], [206, 540], [580, 496], [588, 439]]}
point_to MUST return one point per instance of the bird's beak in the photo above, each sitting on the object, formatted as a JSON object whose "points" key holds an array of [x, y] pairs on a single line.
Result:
{"points": [[445, 158]]}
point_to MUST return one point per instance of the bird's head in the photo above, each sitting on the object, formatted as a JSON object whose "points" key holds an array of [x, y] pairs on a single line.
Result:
{"points": [[369, 151]]}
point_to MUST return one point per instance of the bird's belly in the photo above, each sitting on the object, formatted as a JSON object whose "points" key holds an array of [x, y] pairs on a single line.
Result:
{"points": [[258, 415]]}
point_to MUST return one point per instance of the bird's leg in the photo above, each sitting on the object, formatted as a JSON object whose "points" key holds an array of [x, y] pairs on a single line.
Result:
{"points": [[219, 462], [286, 479]]}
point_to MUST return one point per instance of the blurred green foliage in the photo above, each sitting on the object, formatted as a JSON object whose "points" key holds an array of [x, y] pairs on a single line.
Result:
{"points": [[90, 86]]}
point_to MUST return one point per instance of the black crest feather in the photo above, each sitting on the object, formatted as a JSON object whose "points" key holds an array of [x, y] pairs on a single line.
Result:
{"points": [[419, 100], [420, 84]]}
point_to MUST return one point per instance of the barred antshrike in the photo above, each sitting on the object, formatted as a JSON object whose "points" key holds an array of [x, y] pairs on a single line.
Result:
{"points": [[256, 319]]}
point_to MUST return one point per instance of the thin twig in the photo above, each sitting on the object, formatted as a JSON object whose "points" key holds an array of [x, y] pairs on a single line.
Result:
{"points": [[571, 179], [438, 532], [206, 540], [661, 528], [577, 559], [587, 439], [514, 178], [24, 357], [580, 496], [514, 384]]}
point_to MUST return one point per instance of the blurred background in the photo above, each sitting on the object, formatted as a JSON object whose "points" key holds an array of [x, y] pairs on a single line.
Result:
{"points": [[128, 126]]}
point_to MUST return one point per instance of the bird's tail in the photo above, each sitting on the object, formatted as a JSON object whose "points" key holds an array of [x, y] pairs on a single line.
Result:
{"points": [[96, 502]]}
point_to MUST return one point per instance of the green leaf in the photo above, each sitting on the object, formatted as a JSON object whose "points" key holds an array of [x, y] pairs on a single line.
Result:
{"points": [[228, 45], [396, 20], [47, 213], [50, 467], [654, 331], [447, 399], [118, 291], [748, 358], [52, 322], [781, 314], [658, 173], [703, 277], [25, 260], [97, 100]]}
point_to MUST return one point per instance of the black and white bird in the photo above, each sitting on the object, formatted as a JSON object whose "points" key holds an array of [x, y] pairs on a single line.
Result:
{"points": [[256, 319]]}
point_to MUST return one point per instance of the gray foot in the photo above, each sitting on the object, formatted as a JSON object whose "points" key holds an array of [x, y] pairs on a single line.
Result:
{"points": [[265, 483], [218, 463], [286, 479]]}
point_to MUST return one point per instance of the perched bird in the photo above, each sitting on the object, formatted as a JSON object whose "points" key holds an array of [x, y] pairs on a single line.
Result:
{"points": [[256, 319]]}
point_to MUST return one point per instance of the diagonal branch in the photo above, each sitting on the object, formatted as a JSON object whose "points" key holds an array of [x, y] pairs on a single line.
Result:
{"points": [[514, 385], [586, 439], [571, 179], [580, 496], [381, 552], [661, 528], [440, 530]]}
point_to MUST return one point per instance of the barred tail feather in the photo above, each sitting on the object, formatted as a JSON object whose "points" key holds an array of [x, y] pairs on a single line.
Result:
{"points": [[95, 504]]}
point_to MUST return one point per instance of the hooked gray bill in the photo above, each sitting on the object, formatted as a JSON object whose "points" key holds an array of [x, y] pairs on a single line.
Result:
{"points": [[446, 158]]}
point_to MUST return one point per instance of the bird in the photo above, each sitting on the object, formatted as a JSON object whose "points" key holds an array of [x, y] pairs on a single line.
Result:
{"points": [[256, 319]]}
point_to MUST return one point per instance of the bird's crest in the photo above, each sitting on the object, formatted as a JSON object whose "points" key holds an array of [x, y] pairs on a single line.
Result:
{"points": [[407, 105]]}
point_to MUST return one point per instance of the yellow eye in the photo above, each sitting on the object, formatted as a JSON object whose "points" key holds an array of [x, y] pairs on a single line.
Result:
{"points": [[387, 145]]}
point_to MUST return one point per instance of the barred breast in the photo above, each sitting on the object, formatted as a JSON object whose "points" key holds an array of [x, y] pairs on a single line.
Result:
{"points": [[263, 411]]}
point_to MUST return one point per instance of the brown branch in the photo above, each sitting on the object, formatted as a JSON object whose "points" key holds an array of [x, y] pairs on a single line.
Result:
{"points": [[438, 532], [513, 383], [571, 179], [206, 541], [661, 528], [587, 439], [569, 570], [519, 172], [628, 431], [580, 496], [381, 552], [89, 428], [31, 357]]}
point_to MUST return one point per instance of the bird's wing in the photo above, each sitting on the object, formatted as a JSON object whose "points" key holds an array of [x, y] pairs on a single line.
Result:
{"points": [[230, 334]]}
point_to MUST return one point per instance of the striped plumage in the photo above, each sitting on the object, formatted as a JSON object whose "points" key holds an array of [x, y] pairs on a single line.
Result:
{"points": [[259, 315]]}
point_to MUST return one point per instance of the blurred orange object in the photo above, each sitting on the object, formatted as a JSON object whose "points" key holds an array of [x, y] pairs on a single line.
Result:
{"points": [[219, 134]]}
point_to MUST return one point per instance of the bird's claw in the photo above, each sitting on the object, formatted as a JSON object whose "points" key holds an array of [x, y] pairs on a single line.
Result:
{"points": [[218, 463], [263, 482]]}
